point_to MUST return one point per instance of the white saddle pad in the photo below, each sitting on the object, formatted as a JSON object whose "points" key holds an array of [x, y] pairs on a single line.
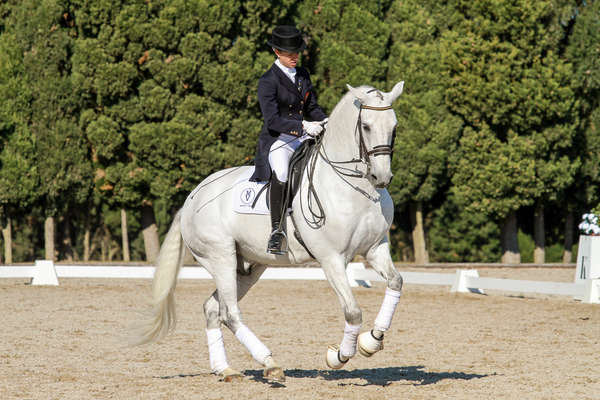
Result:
{"points": [[244, 194]]}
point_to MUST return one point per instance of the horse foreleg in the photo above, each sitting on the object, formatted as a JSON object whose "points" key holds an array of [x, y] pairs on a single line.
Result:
{"points": [[379, 258], [337, 356]]}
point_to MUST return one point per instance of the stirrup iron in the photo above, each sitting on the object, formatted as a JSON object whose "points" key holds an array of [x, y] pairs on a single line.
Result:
{"points": [[274, 250]]}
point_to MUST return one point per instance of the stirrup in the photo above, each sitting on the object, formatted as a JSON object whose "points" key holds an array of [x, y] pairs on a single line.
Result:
{"points": [[277, 250]]}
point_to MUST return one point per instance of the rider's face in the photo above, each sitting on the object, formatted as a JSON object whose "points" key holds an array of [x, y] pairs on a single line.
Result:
{"points": [[287, 59]]}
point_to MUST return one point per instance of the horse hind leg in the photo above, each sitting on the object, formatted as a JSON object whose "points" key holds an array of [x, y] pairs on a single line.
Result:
{"points": [[219, 308], [216, 346], [379, 257]]}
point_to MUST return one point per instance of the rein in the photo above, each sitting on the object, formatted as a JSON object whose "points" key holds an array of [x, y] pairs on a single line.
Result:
{"points": [[318, 215]]}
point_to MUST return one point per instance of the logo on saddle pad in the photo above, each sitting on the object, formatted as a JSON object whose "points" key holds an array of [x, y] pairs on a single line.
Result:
{"points": [[247, 195]]}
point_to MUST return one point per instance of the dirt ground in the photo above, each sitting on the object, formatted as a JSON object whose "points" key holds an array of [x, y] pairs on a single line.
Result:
{"points": [[67, 342]]}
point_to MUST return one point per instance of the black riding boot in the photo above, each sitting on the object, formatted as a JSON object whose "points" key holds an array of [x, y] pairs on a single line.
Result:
{"points": [[275, 204]]}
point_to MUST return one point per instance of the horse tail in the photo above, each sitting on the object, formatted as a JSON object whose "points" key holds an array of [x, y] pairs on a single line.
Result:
{"points": [[161, 318]]}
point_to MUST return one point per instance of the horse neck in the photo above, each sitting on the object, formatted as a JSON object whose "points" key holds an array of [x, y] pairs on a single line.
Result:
{"points": [[339, 141], [340, 145]]}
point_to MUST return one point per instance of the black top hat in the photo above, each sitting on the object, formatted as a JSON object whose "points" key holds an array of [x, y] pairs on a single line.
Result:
{"points": [[287, 38]]}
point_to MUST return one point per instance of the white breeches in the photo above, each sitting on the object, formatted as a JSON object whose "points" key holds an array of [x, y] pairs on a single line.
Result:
{"points": [[280, 153]]}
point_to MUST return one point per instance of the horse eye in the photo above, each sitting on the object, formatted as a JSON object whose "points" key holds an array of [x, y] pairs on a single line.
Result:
{"points": [[366, 127]]}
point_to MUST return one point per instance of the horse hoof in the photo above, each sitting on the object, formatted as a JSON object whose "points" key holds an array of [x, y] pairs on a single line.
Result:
{"points": [[274, 374], [369, 344], [231, 375], [333, 359]]}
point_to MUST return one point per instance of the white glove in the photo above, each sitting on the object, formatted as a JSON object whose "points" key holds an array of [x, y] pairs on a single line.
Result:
{"points": [[324, 122], [312, 128]]}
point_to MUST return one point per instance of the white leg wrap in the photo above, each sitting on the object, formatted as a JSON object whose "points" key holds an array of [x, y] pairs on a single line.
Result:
{"points": [[216, 350], [390, 301], [348, 345], [258, 350]]}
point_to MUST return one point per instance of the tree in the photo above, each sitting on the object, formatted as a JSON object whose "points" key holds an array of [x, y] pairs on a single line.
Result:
{"points": [[347, 45], [170, 92], [19, 176], [427, 132], [511, 88], [583, 51], [46, 35], [457, 235]]}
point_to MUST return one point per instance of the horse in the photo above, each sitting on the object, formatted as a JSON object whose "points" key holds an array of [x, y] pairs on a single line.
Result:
{"points": [[342, 209]]}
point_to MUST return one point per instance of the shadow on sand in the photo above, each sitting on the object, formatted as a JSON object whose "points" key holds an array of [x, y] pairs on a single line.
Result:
{"points": [[373, 376]]}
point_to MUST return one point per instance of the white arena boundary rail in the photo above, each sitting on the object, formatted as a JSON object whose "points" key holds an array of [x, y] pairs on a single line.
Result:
{"points": [[45, 272]]}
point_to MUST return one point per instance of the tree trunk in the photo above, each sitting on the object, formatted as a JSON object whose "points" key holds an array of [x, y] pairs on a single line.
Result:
{"points": [[49, 238], [7, 236], [124, 235], [510, 242], [539, 253], [103, 249], [86, 243], [150, 232], [418, 233], [569, 224], [66, 241]]}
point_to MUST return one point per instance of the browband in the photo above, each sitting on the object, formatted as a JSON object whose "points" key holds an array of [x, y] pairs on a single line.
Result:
{"points": [[375, 108]]}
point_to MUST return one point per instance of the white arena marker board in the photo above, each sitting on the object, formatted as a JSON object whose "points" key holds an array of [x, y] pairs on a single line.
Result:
{"points": [[588, 258], [44, 272]]}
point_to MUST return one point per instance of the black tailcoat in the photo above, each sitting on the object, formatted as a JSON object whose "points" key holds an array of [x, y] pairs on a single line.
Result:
{"points": [[284, 104]]}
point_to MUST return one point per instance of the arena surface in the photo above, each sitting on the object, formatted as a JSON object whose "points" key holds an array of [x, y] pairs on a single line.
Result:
{"points": [[68, 342]]}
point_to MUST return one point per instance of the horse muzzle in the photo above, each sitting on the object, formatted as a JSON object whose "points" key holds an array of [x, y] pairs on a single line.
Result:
{"points": [[380, 183]]}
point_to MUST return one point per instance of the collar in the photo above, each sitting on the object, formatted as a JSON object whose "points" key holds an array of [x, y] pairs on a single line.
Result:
{"points": [[289, 72]]}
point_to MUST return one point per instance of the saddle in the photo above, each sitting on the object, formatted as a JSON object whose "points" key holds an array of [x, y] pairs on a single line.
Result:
{"points": [[296, 170], [298, 163]]}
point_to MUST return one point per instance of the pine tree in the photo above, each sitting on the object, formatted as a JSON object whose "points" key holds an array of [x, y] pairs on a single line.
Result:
{"points": [[44, 35], [583, 51], [171, 96], [19, 177], [347, 45], [426, 132], [511, 87]]}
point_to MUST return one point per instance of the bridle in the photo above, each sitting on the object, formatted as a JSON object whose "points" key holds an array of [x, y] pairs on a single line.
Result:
{"points": [[379, 150], [364, 153], [318, 216]]}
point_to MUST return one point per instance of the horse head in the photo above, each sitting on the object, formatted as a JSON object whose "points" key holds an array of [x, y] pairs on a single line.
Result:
{"points": [[376, 124]]}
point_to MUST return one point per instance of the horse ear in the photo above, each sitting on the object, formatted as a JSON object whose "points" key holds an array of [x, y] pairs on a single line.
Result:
{"points": [[396, 91], [357, 93]]}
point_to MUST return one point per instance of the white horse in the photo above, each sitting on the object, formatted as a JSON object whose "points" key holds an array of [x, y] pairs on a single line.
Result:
{"points": [[342, 209]]}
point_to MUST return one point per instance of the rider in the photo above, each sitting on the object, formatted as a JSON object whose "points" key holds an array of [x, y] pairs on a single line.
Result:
{"points": [[286, 97]]}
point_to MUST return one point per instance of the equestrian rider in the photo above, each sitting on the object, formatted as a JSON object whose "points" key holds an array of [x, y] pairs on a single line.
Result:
{"points": [[286, 98]]}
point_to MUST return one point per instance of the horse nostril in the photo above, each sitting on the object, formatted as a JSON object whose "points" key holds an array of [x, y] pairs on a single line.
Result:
{"points": [[374, 177]]}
